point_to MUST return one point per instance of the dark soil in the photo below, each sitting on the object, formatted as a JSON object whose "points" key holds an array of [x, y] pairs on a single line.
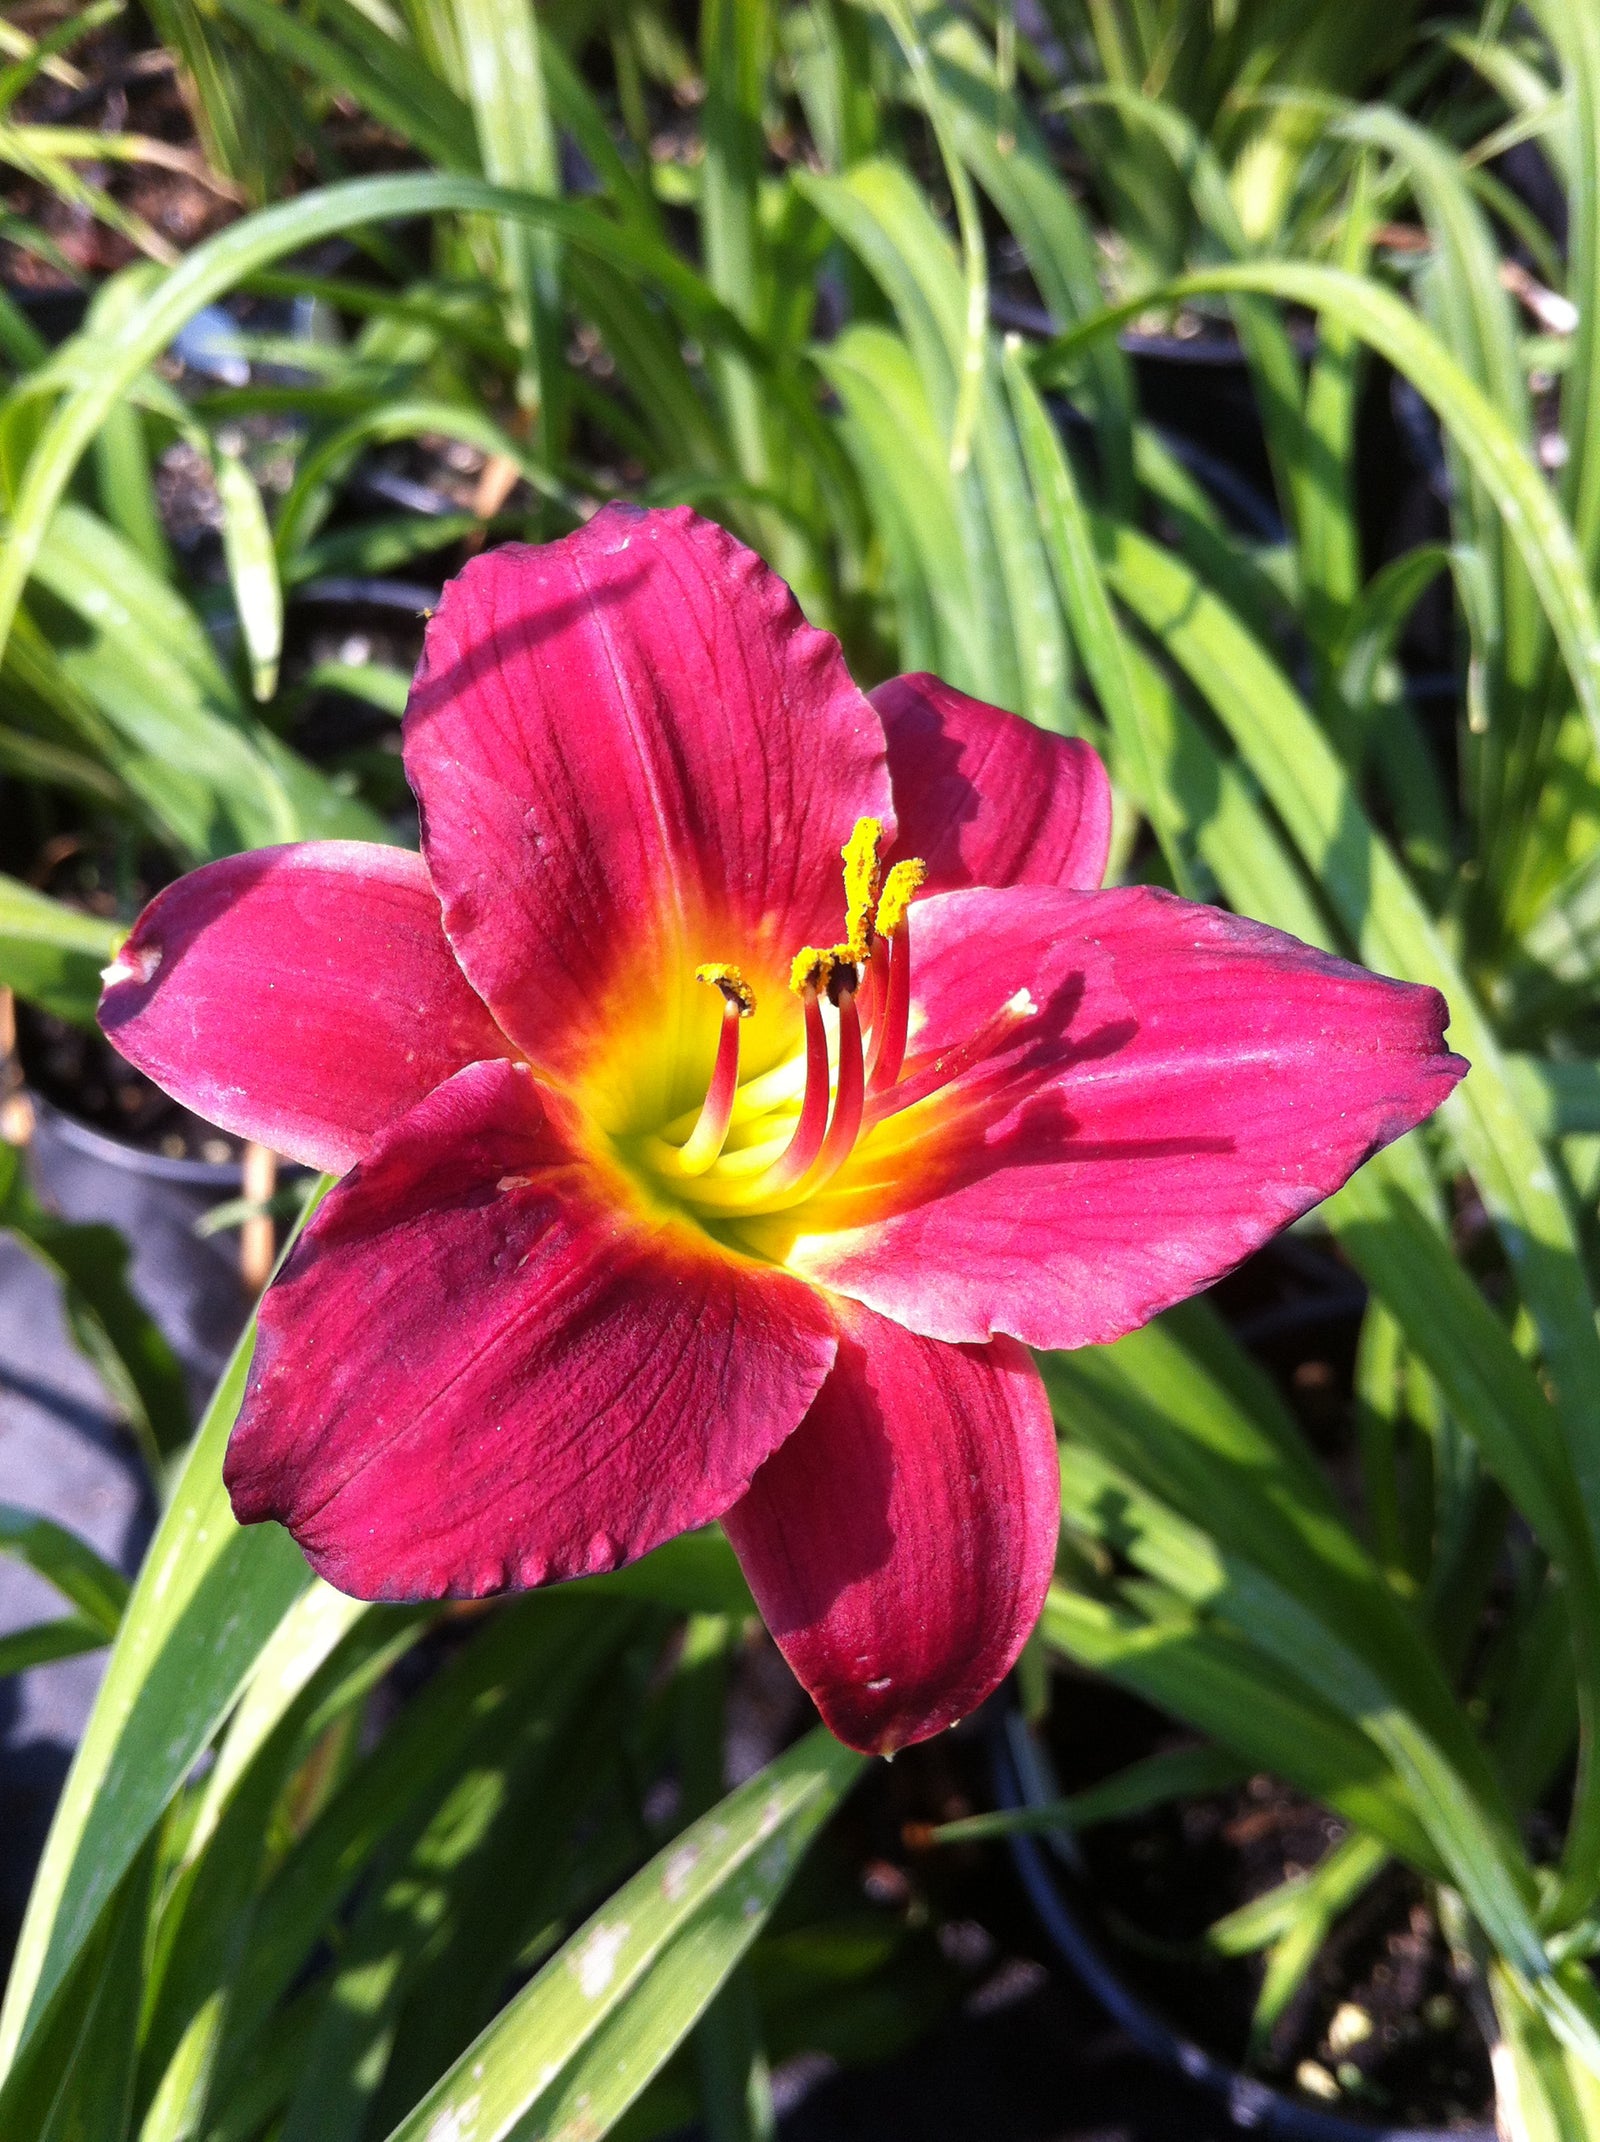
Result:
{"points": [[128, 86]]}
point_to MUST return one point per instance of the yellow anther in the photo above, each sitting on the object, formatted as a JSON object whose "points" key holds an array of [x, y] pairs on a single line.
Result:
{"points": [[812, 967], [903, 881], [862, 872], [735, 989]]}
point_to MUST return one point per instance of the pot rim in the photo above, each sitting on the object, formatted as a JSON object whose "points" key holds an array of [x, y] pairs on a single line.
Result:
{"points": [[1019, 1777], [80, 1137]]}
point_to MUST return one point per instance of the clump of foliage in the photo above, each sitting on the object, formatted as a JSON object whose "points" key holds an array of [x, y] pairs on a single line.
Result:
{"points": [[855, 281]]}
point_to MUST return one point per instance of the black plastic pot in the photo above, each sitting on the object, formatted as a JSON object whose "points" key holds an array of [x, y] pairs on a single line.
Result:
{"points": [[1019, 1780], [190, 1283], [63, 1450]]}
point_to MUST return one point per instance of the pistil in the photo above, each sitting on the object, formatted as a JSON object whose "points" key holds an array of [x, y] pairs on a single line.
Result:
{"points": [[703, 1146]]}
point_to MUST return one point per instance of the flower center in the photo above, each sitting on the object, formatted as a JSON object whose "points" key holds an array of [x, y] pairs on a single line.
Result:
{"points": [[767, 1143]]}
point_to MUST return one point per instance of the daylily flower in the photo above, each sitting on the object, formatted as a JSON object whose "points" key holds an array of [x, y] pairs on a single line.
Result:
{"points": [[743, 1076]]}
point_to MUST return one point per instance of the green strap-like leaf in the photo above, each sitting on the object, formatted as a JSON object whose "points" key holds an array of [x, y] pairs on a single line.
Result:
{"points": [[1204, 1672], [252, 570], [879, 213], [70, 1564], [1301, 1631], [208, 1596], [442, 1874], [1383, 915], [501, 46], [1486, 442], [109, 1325], [581, 2042], [51, 954], [43, 1641], [1065, 528], [254, 243], [1175, 1774]]}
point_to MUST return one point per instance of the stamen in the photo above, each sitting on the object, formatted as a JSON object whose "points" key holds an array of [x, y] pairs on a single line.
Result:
{"points": [[934, 1072], [874, 982], [861, 878], [899, 888], [793, 1178], [792, 1128], [893, 1023], [848, 1101], [889, 1042], [704, 1144], [809, 1130], [735, 989], [810, 969]]}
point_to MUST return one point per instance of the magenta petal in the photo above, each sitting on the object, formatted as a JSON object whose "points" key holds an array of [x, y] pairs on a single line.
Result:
{"points": [[1182, 1085], [632, 754], [484, 1367], [304, 996], [985, 798], [901, 1542]]}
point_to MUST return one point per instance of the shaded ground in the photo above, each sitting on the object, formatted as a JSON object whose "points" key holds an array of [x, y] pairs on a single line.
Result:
{"points": [[63, 1454], [1028, 2059]]}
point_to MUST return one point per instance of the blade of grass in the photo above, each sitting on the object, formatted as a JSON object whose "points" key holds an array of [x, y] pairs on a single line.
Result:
{"points": [[254, 243], [604, 2014], [1070, 547], [252, 570], [52, 954]]}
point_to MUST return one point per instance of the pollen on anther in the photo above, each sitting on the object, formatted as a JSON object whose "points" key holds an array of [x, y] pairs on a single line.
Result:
{"points": [[862, 876], [904, 881], [811, 968]]}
